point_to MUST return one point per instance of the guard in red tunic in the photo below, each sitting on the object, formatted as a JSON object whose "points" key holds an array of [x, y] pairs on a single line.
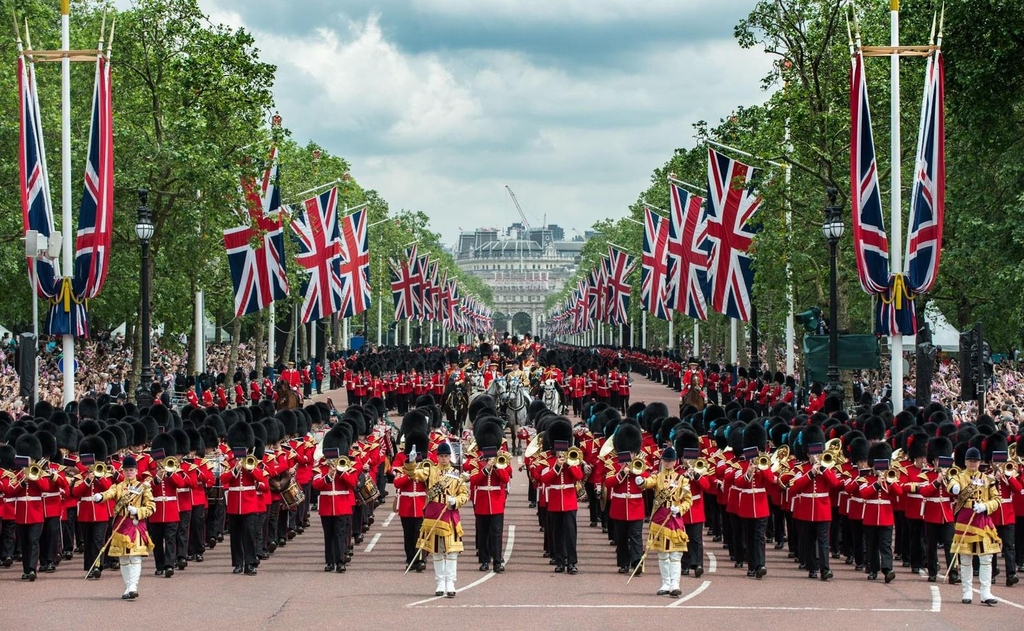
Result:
{"points": [[751, 483], [306, 381], [810, 487], [938, 507], [208, 399], [560, 477], [243, 482], [268, 388], [221, 398], [624, 383], [488, 487], [191, 396], [165, 481], [1004, 518], [28, 500], [687, 444], [319, 378], [240, 393], [878, 496], [335, 480], [410, 494], [93, 517], [626, 499]]}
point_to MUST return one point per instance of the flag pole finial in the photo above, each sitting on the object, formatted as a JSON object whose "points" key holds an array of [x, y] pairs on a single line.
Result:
{"points": [[65, 7]]}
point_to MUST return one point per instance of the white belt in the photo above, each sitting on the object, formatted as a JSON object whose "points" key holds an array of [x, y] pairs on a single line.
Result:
{"points": [[696, 497], [184, 490], [165, 499], [880, 502], [813, 496], [1005, 500], [47, 495], [936, 499], [413, 494], [239, 489], [28, 498], [498, 488], [331, 493], [628, 496], [915, 496], [560, 487], [750, 490]]}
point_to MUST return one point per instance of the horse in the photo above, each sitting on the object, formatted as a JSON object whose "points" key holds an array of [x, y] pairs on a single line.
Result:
{"points": [[455, 403], [551, 397], [513, 404], [693, 396], [287, 399]]}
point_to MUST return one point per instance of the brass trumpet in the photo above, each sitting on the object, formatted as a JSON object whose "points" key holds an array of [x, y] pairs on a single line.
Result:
{"points": [[1009, 469], [100, 470], [33, 472], [502, 460], [637, 466], [700, 467], [892, 476], [250, 462], [827, 460], [574, 457], [341, 464], [170, 464], [762, 463]]}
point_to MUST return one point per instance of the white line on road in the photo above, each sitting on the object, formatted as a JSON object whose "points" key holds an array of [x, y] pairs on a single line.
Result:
{"points": [[373, 542], [712, 563], [936, 599], [1003, 600], [697, 592], [486, 577], [690, 607], [387, 521]]}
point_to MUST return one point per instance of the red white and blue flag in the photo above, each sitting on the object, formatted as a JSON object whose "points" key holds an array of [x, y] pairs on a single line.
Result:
{"points": [[37, 213], [316, 230], [620, 264], [928, 197], [731, 205], [256, 251], [355, 264], [687, 259], [581, 314], [405, 286], [654, 266]]}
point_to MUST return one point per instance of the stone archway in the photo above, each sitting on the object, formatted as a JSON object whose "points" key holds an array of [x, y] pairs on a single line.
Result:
{"points": [[522, 323]]}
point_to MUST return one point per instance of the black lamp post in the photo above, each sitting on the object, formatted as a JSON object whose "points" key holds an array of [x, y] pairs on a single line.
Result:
{"points": [[144, 231], [832, 230]]}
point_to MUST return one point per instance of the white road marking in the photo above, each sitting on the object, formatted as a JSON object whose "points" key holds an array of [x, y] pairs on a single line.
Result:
{"points": [[936, 599], [712, 563], [387, 521], [373, 542], [689, 607], [697, 592], [486, 577]]}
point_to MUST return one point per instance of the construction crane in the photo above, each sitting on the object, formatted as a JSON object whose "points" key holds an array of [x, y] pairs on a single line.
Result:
{"points": [[522, 215]]}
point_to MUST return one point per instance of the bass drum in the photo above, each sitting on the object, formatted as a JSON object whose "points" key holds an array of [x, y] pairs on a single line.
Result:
{"points": [[293, 495], [366, 491], [215, 495]]}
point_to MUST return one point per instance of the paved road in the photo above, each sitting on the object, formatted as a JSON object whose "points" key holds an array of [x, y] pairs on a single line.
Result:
{"points": [[292, 592]]}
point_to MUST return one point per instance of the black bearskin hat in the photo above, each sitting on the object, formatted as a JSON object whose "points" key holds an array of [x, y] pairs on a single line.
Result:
{"points": [[94, 445], [29, 445], [418, 439], [628, 438], [165, 443], [488, 435], [939, 446], [755, 435], [240, 435], [560, 430], [182, 441], [879, 451]]}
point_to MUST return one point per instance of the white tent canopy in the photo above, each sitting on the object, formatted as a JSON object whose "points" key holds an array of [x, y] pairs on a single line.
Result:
{"points": [[944, 335]]}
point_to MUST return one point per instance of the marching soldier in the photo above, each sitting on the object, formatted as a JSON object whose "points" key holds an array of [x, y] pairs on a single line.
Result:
{"points": [[688, 445], [488, 485], [441, 532], [243, 482], [672, 498], [625, 484], [976, 499], [130, 541], [410, 494], [335, 480], [560, 475]]}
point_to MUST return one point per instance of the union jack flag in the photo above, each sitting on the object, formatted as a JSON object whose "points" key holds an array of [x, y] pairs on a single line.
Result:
{"points": [[355, 264], [731, 205], [37, 213], [256, 251], [416, 278], [317, 232], [928, 198], [581, 313], [405, 286], [870, 242], [620, 264], [654, 266], [687, 260], [428, 288]]}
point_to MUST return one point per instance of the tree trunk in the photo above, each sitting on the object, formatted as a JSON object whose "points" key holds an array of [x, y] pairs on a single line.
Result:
{"points": [[135, 339], [303, 340], [770, 358], [218, 321]]}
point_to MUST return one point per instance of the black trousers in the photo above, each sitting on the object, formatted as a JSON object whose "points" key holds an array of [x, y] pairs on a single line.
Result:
{"points": [[197, 531], [778, 523], [593, 503], [878, 543], [94, 535], [753, 536], [402, 403], [545, 523], [215, 520], [410, 532], [181, 537], [738, 544], [563, 537], [489, 529], [628, 542], [284, 515], [814, 542], [242, 530], [915, 542], [712, 517], [858, 542], [336, 535], [69, 530], [1019, 543], [49, 541], [7, 539], [694, 555], [1008, 534], [28, 537], [165, 544], [938, 535], [261, 528]]}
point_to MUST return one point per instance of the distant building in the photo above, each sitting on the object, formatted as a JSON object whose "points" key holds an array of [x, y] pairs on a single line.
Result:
{"points": [[521, 269]]}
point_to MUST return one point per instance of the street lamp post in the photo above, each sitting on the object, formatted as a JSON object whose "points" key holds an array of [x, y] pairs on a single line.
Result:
{"points": [[144, 231], [832, 230]]}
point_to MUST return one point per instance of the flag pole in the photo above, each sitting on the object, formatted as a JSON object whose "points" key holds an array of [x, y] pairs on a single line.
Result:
{"points": [[744, 153], [696, 338], [643, 330], [671, 334], [896, 243], [68, 342], [732, 341], [696, 189]]}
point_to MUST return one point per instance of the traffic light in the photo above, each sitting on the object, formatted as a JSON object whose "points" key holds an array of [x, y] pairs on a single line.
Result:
{"points": [[810, 319]]}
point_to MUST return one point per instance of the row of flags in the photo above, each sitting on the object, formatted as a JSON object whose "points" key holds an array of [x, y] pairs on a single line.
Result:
{"points": [[68, 296], [896, 289], [696, 256], [334, 251], [421, 292]]}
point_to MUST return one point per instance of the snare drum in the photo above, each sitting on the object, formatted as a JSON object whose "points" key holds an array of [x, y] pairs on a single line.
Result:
{"points": [[293, 495], [215, 495], [366, 491]]}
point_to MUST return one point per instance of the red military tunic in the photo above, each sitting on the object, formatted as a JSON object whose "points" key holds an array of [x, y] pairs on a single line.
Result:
{"points": [[165, 494], [240, 395], [489, 490], [411, 496], [560, 486], [752, 502], [254, 392], [878, 503], [626, 497], [28, 498], [336, 493], [88, 510], [1005, 514], [207, 398], [222, 398], [192, 398], [812, 494], [698, 488], [938, 503]]}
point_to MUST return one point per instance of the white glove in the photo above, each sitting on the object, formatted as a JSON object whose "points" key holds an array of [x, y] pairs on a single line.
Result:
{"points": [[979, 507], [955, 489], [639, 479], [675, 510], [452, 501], [133, 511], [97, 497]]}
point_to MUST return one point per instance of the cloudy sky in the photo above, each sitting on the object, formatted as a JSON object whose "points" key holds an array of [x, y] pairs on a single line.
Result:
{"points": [[440, 103]]}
